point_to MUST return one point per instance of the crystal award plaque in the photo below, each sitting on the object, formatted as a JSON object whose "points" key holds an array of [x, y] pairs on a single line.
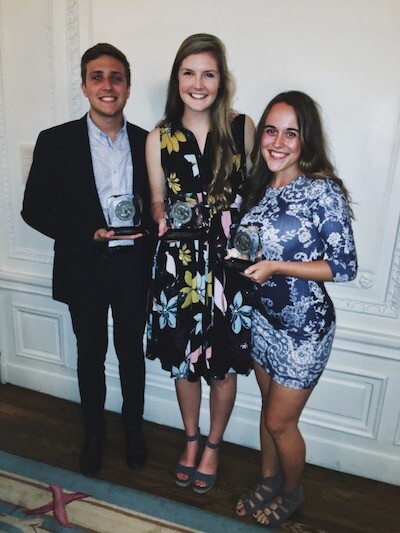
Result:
{"points": [[244, 247], [184, 218], [125, 214]]}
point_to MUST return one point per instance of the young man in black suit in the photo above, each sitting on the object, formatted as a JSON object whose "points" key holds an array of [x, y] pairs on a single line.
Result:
{"points": [[76, 168]]}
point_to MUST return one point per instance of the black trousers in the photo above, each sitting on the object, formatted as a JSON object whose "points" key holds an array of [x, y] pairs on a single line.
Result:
{"points": [[124, 289]]}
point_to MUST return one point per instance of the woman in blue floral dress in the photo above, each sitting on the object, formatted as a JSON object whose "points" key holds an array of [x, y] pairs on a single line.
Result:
{"points": [[302, 211], [200, 316]]}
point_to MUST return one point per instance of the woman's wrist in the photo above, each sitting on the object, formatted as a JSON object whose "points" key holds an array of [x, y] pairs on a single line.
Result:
{"points": [[275, 267], [158, 211]]}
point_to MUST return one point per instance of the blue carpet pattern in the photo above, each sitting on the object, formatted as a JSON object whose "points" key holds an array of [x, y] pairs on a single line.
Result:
{"points": [[148, 504]]}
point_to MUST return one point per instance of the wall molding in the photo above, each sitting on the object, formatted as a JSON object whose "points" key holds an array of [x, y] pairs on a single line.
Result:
{"points": [[396, 441], [17, 282], [390, 307], [362, 342], [51, 58], [3, 149], [380, 464], [75, 106], [357, 406], [13, 251], [34, 319], [74, 59]]}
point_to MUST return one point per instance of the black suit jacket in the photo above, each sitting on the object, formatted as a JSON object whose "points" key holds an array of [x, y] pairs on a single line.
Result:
{"points": [[61, 201]]}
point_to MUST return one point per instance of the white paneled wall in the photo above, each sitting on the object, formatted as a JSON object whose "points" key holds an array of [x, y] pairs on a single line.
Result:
{"points": [[345, 55]]}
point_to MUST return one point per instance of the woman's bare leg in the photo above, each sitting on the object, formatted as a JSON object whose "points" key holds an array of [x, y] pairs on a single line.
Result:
{"points": [[269, 459], [189, 399], [222, 399], [282, 413]]}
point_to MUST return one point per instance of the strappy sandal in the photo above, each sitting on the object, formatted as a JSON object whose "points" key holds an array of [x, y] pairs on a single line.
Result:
{"points": [[280, 508], [208, 479], [254, 500], [186, 470]]}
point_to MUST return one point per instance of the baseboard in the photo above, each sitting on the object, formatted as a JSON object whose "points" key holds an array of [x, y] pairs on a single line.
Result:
{"points": [[362, 461]]}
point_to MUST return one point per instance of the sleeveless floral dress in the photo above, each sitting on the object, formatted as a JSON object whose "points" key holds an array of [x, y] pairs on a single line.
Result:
{"points": [[199, 315]]}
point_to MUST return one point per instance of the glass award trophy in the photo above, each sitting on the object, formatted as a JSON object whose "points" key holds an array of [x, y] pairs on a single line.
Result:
{"points": [[125, 214], [185, 219], [244, 247]]}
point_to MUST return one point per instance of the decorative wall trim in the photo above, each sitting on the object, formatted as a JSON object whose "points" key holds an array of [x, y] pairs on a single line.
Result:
{"points": [[381, 464], [390, 307], [28, 322], [14, 251], [73, 54], [35, 285], [51, 58], [353, 340], [357, 404], [3, 151], [366, 279], [36, 256], [396, 441], [363, 342]]}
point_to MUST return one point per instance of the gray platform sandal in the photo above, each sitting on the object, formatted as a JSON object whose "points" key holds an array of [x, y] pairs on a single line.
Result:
{"points": [[278, 510], [186, 470], [254, 500], [208, 479]]}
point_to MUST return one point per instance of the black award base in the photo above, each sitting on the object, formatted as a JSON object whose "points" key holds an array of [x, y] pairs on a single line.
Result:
{"points": [[127, 230], [183, 234], [238, 264]]}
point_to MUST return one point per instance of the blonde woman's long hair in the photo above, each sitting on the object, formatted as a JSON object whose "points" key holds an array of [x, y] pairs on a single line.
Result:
{"points": [[223, 146]]}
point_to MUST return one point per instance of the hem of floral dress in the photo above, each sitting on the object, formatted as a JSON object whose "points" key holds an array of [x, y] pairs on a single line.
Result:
{"points": [[196, 377]]}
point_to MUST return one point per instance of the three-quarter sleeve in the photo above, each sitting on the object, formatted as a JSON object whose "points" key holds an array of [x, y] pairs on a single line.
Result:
{"points": [[332, 218]]}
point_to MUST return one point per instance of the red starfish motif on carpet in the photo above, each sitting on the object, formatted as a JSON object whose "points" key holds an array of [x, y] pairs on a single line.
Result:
{"points": [[58, 505]]}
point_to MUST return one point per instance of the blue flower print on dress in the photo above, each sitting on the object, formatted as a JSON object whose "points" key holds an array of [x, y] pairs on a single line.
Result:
{"points": [[199, 323], [167, 310], [241, 314], [149, 326], [182, 371], [295, 315]]}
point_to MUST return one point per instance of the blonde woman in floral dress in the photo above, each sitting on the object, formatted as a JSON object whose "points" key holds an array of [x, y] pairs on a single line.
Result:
{"points": [[200, 316]]}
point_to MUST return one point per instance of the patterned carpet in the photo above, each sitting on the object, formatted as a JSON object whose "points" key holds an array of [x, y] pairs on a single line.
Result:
{"points": [[38, 498]]}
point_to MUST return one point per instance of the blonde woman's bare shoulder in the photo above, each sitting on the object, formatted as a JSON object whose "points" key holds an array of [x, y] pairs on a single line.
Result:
{"points": [[249, 136], [249, 124]]}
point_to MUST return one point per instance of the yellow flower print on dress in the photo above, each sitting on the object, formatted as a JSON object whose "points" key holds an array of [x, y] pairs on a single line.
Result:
{"points": [[185, 255], [195, 290], [171, 142], [236, 161], [210, 285], [173, 183]]}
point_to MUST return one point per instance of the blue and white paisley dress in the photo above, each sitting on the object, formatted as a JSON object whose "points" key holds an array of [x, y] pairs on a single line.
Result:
{"points": [[294, 319]]}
